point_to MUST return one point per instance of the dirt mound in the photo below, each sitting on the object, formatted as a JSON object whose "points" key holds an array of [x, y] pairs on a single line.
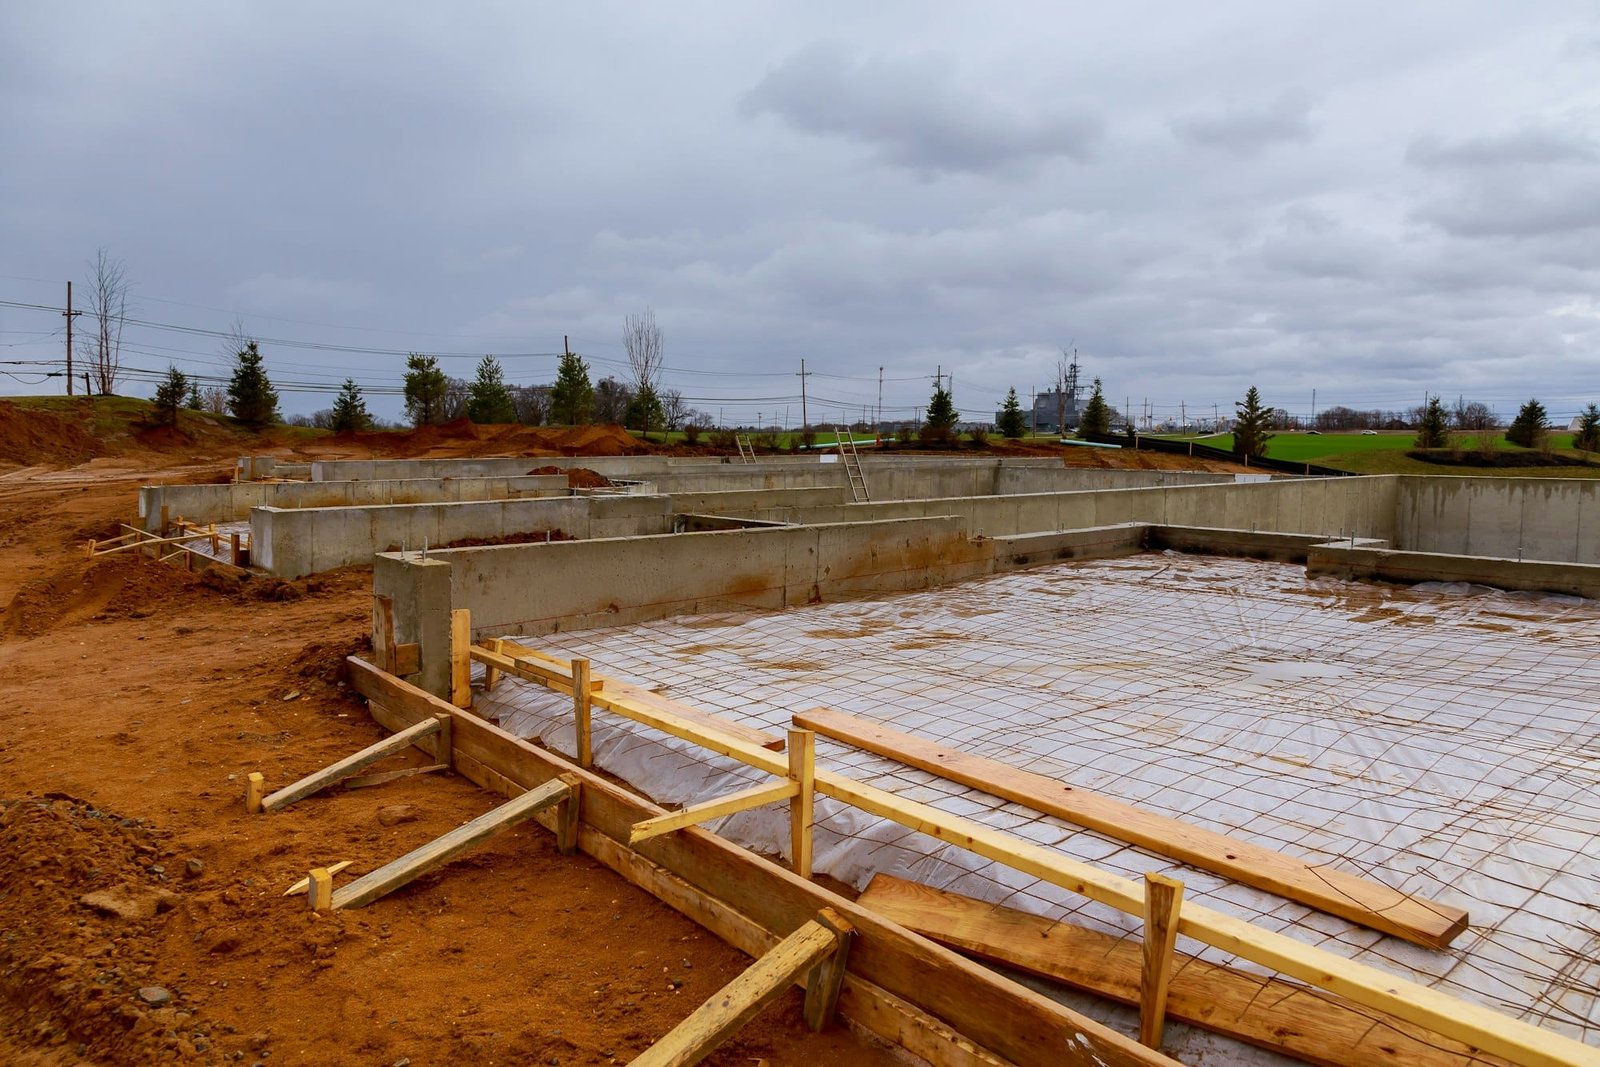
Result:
{"points": [[577, 477], [77, 882], [43, 437]]}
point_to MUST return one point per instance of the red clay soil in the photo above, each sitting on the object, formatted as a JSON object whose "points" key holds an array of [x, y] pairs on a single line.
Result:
{"points": [[577, 477], [137, 699]]}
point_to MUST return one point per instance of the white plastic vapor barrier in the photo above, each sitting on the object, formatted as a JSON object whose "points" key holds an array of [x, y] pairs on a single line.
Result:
{"points": [[1439, 739]]}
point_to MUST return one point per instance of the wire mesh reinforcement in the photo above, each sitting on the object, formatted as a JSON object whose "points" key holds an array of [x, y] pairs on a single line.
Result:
{"points": [[1439, 739]]}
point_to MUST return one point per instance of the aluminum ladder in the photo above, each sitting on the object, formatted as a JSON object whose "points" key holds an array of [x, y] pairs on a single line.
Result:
{"points": [[852, 467]]}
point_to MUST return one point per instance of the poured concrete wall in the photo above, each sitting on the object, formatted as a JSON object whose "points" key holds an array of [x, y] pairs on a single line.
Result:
{"points": [[584, 584], [770, 502], [232, 503], [1346, 563], [1328, 507], [291, 543], [1531, 518]]}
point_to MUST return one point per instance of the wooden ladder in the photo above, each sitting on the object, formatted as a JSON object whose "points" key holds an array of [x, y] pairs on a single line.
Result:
{"points": [[747, 454], [852, 467]]}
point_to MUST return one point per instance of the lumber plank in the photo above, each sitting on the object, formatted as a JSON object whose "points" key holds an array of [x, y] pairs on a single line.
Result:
{"points": [[416, 863], [1163, 900], [1270, 1013], [694, 814], [545, 668], [461, 657], [154, 541], [900, 985], [736, 1003], [334, 772], [407, 659], [1360, 900]]}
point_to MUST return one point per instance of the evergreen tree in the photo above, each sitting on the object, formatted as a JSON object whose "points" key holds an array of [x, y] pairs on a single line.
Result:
{"points": [[1433, 431], [1096, 417], [425, 389], [489, 400], [942, 413], [1250, 434], [251, 398], [193, 400], [644, 410], [1529, 427], [349, 409], [571, 397], [1012, 423], [1588, 436], [169, 396]]}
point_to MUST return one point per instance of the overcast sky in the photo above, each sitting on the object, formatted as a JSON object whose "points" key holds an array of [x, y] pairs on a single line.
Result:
{"points": [[1372, 200]]}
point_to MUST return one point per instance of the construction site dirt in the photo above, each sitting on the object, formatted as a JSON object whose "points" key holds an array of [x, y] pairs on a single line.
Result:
{"points": [[142, 909]]}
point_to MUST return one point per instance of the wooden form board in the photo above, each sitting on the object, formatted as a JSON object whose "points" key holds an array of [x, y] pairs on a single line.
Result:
{"points": [[896, 979], [1520, 1042], [1270, 1013], [1371, 904]]}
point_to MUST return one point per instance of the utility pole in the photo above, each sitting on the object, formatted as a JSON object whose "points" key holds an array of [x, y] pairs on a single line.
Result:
{"points": [[804, 422], [877, 423], [1183, 415], [70, 314], [566, 348], [1313, 407]]}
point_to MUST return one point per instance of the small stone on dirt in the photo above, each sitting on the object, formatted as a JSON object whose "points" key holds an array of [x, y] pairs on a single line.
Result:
{"points": [[130, 903], [193, 869], [293, 694], [155, 996], [395, 814]]}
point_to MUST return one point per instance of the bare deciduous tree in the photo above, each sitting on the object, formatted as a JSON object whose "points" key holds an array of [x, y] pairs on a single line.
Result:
{"points": [[642, 339], [214, 399], [101, 350], [674, 409]]}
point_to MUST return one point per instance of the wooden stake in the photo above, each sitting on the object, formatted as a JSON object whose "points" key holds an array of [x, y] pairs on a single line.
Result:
{"points": [[443, 743], [319, 891], [254, 785], [302, 884], [569, 814], [827, 977], [738, 1002], [802, 772], [1163, 901], [383, 633], [166, 521], [581, 712], [233, 549], [461, 657], [414, 864], [491, 674]]}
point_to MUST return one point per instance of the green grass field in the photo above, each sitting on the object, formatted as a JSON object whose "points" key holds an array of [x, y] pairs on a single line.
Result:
{"points": [[1385, 453]]}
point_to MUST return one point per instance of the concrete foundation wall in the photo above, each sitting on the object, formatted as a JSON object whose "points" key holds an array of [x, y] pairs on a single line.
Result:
{"points": [[232, 503], [292, 543], [770, 502], [1345, 563], [1325, 507], [1554, 519], [585, 584]]}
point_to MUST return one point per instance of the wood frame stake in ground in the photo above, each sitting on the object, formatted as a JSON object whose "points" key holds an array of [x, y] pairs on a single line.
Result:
{"points": [[255, 784], [818, 946], [582, 712], [1163, 902], [461, 657], [802, 752]]}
